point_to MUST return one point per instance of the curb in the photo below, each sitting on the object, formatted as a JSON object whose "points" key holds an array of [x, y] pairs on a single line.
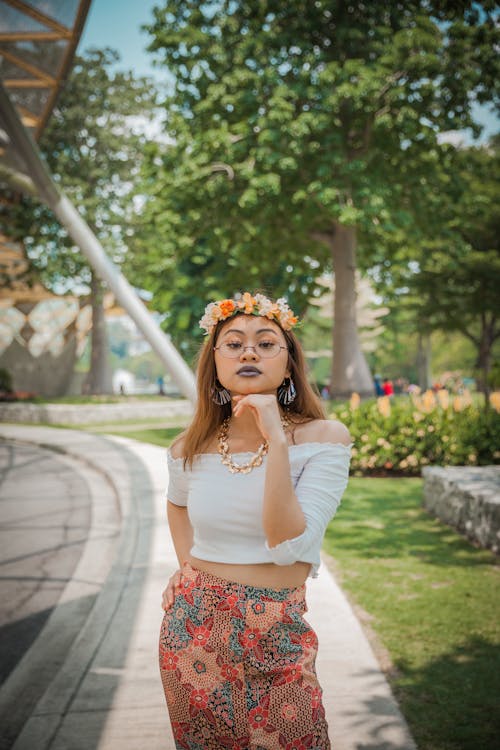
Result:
{"points": [[78, 414]]}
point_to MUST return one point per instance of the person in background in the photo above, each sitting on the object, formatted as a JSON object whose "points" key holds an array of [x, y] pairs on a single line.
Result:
{"points": [[160, 383], [379, 391], [253, 483], [387, 387]]}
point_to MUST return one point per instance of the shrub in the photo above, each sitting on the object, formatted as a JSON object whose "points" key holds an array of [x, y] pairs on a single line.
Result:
{"points": [[400, 436]]}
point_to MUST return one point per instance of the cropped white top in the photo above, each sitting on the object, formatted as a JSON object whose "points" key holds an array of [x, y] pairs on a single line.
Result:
{"points": [[225, 510]]}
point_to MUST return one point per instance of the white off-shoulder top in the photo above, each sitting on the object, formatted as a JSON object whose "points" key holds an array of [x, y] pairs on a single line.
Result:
{"points": [[225, 510]]}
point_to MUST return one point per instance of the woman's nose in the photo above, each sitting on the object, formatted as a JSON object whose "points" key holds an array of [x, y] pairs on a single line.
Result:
{"points": [[249, 349]]}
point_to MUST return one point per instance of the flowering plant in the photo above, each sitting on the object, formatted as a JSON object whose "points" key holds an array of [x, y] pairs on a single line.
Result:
{"points": [[250, 305]]}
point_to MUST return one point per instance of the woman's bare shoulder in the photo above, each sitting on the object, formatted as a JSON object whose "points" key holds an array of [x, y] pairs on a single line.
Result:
{"points": [[323, 431]]}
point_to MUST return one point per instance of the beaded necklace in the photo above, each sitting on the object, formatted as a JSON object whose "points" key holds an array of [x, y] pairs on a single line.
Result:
{"points": [[256, 459]]}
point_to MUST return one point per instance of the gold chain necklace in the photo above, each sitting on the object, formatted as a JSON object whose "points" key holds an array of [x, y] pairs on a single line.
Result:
{"points": [[256, 459]]}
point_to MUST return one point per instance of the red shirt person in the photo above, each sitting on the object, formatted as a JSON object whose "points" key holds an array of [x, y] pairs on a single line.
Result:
{"points": [[387, 387]]}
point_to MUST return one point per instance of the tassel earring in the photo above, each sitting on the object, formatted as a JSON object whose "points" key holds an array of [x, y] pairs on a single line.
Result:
{"points": [[286, 392], [220, 395]]}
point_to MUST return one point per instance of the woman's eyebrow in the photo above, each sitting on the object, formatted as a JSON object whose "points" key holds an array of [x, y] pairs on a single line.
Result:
{"points": [[232, 330], [261, 330]]}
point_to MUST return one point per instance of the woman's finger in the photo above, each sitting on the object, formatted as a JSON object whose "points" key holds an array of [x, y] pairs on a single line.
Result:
{"points": [[168, 595]]}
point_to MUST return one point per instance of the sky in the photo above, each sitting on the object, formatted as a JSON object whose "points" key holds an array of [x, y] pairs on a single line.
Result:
{"points": [[116, 24]]}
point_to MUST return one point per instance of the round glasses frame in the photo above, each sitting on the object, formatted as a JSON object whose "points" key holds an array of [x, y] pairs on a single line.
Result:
{"points": [[236, 355]]}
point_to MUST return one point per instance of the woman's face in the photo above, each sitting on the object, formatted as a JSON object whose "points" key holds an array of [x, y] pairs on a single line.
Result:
{"points": [[250, 371]]}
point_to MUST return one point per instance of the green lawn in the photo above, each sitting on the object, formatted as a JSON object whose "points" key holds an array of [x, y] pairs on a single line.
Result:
{"points": [[147, 434], [162, 437], [434, 603]]}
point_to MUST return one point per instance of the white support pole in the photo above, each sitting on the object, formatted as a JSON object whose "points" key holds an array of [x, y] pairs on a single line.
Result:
{"points": [[125, 294]]}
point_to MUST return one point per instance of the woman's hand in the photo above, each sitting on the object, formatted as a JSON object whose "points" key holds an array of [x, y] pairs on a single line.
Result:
{"points": [[265, 410], [173, 585]]}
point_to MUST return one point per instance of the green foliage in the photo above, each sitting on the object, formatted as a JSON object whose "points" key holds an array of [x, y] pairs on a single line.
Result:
{"points": [[452, 284], [94, 150], [459, 276], [288, 119], [408, 439], [452, 351], [495, 375]]}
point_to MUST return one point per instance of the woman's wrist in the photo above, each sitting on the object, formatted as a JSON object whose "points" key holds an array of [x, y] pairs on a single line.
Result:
{"points": [[277, 440]]}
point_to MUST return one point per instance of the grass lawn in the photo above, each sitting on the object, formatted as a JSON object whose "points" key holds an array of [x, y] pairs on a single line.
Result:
{"points": [[433, 601], [163, 437]]}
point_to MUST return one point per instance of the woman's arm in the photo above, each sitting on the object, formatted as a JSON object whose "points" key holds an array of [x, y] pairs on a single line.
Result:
{"points": [[282, 516], [182, 536], [178, 519], [181, 531]]}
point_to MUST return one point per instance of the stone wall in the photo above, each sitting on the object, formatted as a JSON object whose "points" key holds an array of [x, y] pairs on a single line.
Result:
{"points": [[467, 498]]}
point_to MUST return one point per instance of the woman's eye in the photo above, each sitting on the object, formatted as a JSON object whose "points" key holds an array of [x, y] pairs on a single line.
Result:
{"points": [[234, 345], [267, 344]]}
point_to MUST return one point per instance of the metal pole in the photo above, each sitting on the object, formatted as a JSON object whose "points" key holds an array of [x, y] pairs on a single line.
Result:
{"points": [[126, 296], [90, 246]]}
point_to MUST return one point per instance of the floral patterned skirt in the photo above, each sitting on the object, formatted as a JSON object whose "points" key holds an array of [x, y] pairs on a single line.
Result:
{"points": [[238, 667]]}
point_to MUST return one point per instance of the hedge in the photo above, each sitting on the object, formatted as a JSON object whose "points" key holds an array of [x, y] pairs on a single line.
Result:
{"points": [[399, 436]]}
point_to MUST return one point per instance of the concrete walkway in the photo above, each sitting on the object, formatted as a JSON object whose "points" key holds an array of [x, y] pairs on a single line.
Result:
{"points": [[105, 691]]}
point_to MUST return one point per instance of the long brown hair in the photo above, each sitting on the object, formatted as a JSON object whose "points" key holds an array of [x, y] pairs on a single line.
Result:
{"points": [[209, 416]]}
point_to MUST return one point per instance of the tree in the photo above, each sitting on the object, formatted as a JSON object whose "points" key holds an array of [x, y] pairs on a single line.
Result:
{"points": [[456, 286], [305, 132], [451, 285], [94, 149]]}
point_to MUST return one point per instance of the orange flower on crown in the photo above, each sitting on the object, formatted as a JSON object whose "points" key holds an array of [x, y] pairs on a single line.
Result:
{"points": [[274, 312], [227, 307], [247, 303]]}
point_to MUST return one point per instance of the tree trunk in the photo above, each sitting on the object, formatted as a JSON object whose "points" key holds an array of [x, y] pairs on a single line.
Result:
{"points": [[350, 371], [98, 380], [424, 361], [483, 362]]}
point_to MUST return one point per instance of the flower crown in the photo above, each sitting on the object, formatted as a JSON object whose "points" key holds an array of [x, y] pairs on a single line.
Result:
{"points": [[250, 305]]}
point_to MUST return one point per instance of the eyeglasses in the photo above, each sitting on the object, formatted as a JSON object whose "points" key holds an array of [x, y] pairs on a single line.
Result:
{"points": [[264, 349]]}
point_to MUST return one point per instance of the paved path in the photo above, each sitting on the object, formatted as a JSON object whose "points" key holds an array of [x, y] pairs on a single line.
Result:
{"points": [[42, 534], [104, 691]]}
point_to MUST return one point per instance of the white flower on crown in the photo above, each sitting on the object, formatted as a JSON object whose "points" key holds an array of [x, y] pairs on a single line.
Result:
{"points": [[264, 304], [211, 317]]}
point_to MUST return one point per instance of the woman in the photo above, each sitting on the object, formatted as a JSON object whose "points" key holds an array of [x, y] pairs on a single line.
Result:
{"points": [[253, 483]]}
